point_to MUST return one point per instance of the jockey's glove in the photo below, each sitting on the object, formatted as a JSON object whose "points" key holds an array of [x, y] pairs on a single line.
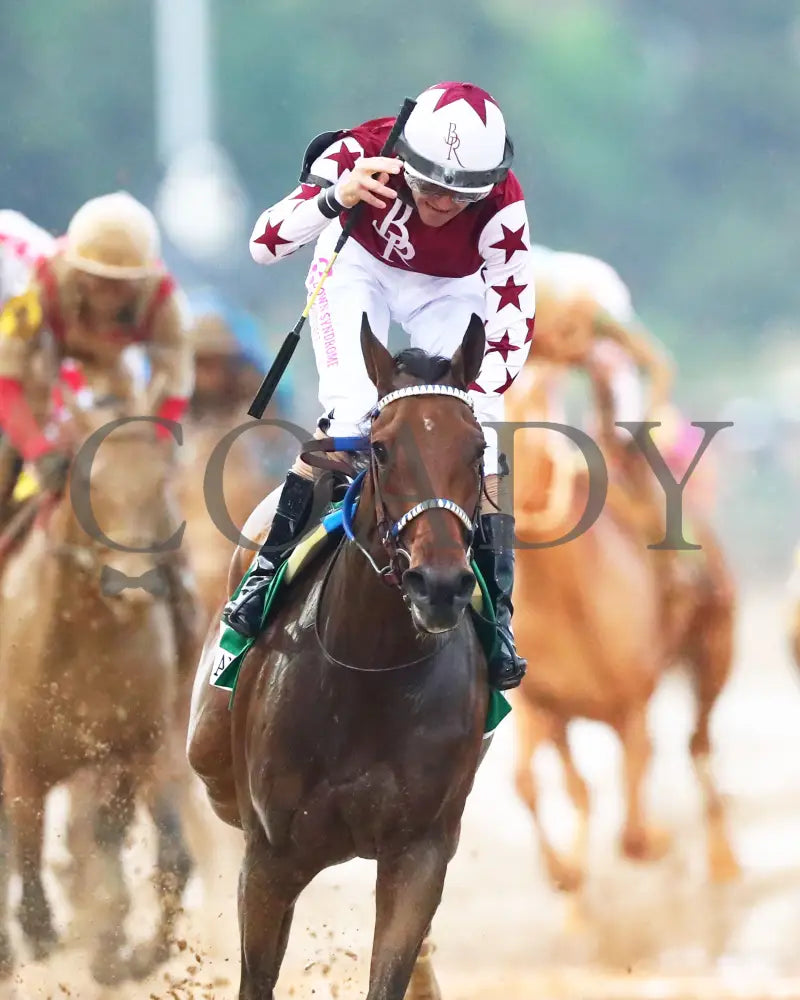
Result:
{"points": [[52, 469]]}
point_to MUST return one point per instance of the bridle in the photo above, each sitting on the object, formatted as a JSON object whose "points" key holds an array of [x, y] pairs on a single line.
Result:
{"points": [[389, 530]]}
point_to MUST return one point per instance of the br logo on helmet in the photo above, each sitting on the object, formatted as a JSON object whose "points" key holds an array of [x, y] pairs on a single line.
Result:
{"points": [[453, 142]]}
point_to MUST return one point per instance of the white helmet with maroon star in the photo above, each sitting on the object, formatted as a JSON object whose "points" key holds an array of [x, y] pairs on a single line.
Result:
{"points": [[456, 138]]}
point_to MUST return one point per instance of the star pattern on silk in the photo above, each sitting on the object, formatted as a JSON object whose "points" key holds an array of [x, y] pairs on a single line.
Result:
{"points": [[511, 241], [306, 192], [509, 294], [503, 346], [345, 159], [271, 238], [507, 384], [474, 96], [530, 324]]}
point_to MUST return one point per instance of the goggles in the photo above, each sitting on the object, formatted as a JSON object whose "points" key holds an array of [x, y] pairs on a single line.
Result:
{"points": [[427, 189]]}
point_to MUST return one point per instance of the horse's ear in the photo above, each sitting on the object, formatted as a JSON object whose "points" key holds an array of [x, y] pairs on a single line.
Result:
{"points": [[467, 361], [380, 366]]}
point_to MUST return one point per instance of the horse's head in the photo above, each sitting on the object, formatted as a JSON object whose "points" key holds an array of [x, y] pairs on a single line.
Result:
{"points": [[119, 484], [426, 458]]}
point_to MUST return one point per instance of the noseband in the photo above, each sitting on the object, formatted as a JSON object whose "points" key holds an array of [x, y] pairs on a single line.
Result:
{"points": [[389, 531]]}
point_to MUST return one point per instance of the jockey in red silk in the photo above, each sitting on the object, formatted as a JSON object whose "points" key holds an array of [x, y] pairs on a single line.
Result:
{"points": [[443, 233]]}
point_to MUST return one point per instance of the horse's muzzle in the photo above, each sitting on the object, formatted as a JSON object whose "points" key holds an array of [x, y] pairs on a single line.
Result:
{"points": [[438, 596]]}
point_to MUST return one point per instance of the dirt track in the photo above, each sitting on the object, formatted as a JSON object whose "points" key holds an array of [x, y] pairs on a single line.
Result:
{"points": [[657, 931]]}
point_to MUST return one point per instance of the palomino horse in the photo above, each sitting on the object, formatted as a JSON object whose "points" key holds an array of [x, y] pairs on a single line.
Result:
{"points": [[88, 673], [589, 623], [356, 729]]}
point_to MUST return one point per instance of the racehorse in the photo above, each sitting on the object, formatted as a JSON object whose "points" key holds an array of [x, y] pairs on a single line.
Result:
{"points": [[356, 727], [89, 678], [588, 621]]}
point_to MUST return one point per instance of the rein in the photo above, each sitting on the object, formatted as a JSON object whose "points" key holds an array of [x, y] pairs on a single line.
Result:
{"points": [[351, 666]]}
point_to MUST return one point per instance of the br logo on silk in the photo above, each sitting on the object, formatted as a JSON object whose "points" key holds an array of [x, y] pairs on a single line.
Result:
{"points": [[453, 142], [394, 230]]}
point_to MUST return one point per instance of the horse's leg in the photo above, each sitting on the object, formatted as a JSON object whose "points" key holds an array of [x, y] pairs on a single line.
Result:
{"points": [[709, 659], [409, 890], [533, 728], [6, 952], [639, 841], [75, 874], [25, 794], [423, 984], [578, 792], [268, 889], [173, 868], [113, 817]]}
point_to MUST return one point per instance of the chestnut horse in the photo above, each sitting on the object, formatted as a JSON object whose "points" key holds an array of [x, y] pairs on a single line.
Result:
{"points": [[356, 728], [89, 680], [589, 621]]}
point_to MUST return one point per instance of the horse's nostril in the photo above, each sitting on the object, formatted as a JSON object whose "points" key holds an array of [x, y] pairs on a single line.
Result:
{"points": [[466, 584], [439, 586], [415, 584]]}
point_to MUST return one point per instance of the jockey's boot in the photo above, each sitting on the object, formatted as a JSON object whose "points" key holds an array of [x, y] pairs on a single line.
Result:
{"points": [[494, 554], [243, 612], [185, 609]]}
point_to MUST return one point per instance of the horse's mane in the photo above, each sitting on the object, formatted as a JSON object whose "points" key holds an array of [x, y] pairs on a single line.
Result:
{"points": [[429, 368]]}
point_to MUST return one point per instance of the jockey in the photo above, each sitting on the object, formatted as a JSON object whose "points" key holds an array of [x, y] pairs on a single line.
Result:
{"points": [[443, 234], [99, 291], [22, 244]]}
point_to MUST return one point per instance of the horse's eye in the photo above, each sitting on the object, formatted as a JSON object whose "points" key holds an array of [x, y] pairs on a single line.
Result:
{"points": [[380, 452], [479, 454]]}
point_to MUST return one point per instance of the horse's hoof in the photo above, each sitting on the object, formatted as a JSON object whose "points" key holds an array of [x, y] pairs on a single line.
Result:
{"points": [[146, 957], [43, 947], [109, 968], [648, 844], [564, 876], [6, 956]]}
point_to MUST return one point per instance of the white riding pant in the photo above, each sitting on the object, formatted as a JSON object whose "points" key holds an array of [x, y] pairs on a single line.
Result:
{"points": [[434, 312]]}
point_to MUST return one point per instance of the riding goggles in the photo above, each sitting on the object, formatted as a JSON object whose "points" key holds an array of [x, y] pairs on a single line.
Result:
{"points": [[427, 189]]}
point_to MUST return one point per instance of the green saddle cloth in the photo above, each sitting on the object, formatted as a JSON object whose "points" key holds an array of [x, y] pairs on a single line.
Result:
{"points": [[232, 648]]}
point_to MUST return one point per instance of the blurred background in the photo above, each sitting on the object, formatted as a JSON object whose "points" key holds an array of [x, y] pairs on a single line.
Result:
{"points": [[662, 138]]}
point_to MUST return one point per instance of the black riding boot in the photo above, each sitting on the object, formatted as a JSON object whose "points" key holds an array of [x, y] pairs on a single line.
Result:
{"points": [[494, 554], [243, 612]]}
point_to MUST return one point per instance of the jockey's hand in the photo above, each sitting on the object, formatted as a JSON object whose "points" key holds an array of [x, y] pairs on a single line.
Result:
{"points": [[52, 469], [362, 186]]}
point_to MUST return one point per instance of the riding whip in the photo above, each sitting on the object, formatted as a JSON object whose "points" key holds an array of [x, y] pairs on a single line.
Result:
{"points": [[284, 355]]}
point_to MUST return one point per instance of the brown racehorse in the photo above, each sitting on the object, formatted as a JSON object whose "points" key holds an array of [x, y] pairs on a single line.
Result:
{"points": [[89, 677], [356, 729], [589, 622]]}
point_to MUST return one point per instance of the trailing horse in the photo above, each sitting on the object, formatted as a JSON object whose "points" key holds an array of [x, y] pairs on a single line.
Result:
{"points": [[591, 623], [356, 727], [89, 680]]}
